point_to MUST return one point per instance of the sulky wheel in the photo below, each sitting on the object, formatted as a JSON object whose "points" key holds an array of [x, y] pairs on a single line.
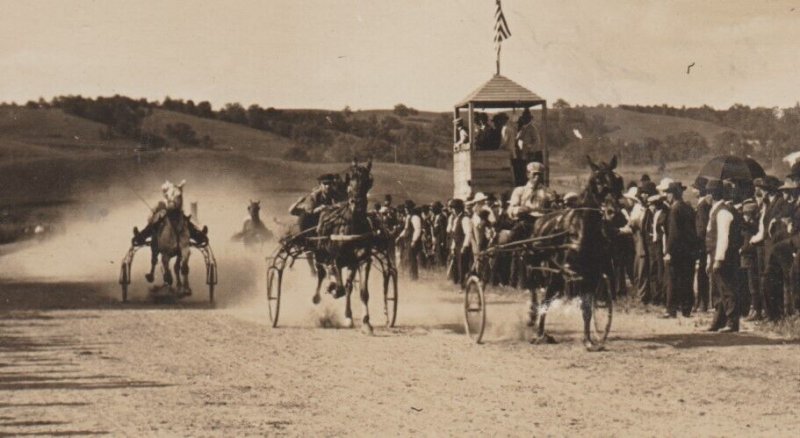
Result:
{"points": [[474, 309], [602, 309], [390, 297], [274, 279]]}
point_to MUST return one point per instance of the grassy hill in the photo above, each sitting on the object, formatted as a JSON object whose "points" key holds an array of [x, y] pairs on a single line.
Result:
{"points": [[632, 126], [226, 136]]}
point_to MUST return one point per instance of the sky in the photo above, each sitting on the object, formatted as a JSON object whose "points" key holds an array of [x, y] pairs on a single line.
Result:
{"points": [[426, 54]]}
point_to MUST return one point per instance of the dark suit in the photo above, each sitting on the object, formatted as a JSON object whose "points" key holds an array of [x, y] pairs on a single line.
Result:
{"points": [[642, 262], [655, 250], [775, 275], [700, 224], [681, 246]]}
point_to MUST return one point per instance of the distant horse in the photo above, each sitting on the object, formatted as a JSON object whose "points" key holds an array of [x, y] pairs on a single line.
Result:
{"points": [[349, 241], [254, 232], [588, 252], [171, 238]]}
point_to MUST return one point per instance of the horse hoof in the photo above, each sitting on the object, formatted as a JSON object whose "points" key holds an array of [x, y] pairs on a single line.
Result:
{"points": [[593, 347], [316, 299], [348, 322], [543, 339], [367, 329], [149, 277]]}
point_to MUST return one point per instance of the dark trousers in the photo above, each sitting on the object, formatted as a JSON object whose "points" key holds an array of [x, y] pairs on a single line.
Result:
{"points": [[414, 253], [641, 267], [679, 292], [518, 171], [656, 274], [702, 299], [727, 306], [777, 279]]}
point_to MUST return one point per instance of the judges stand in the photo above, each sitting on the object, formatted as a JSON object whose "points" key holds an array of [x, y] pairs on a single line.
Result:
{"points": [[490, 171]]}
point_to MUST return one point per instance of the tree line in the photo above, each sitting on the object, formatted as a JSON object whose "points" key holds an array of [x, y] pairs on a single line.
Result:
{"points": [[405, 136]]}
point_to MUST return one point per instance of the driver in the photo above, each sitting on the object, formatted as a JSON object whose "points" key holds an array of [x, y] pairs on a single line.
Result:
{"points": [[308, 208], [199, 236], [533, 199]]}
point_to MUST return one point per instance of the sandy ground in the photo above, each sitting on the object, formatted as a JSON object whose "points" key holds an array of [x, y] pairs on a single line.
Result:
{"points": [[73, 360]]}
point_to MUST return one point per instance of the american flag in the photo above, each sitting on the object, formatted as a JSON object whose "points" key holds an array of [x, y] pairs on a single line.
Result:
{"points": [[501, 31]]}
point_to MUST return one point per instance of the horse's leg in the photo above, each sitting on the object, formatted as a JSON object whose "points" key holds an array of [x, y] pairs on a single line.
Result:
{"points": [[348, 311], [153, 262], [165, 270], [185, 272], [587, 294], [321, 274], [177, 268], [550, 294], [366, 327]]}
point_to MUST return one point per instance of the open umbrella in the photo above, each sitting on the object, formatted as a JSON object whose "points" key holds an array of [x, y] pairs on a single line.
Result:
{"points": [[733, 168]]}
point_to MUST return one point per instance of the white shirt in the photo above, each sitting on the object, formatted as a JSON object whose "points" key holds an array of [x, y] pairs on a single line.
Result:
{"points": [[724, 220]]}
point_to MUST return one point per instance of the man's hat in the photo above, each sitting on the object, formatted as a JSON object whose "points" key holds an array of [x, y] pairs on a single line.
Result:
{"points": [[479, 197], [768, 183], [714, 184], [535, 167], [700, 183], [409, 204], [749, 207], [645, 178], [631, 193], [675, 187], [437, 206], [457, 204], [648, 188], [789, 184], [664, 184]]}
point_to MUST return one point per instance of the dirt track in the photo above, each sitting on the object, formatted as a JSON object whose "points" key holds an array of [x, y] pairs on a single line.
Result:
{"points": [[103, 367]]}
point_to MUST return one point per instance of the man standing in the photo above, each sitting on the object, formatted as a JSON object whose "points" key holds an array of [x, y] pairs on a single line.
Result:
{"points": [[702, 301], [523, 151], [655, 248], [723, 240], [680, 251], [412, 234], [774, 207], [641, 222]]}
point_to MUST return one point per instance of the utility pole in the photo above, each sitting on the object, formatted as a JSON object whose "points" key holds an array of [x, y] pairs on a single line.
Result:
{"points": [[395, 152]]}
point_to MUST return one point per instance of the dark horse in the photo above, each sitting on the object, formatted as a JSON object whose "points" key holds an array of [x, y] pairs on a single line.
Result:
{"points": [[347, 242], [254, 232], [585, 253]]}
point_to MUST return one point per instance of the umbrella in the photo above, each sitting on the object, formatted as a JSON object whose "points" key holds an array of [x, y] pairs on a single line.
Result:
{"points": [[732, 167]]}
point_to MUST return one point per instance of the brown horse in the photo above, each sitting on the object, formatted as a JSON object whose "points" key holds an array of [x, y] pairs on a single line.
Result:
{"points": [[587, 254], [348, 242], [254, 232]]}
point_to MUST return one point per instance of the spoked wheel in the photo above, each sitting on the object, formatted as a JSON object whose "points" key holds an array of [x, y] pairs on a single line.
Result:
{"points": [[390, 297], [474, 309], [274, 280], [602, 309]]}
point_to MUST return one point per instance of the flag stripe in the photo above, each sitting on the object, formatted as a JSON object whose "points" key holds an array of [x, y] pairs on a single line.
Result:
{"points": [[502, 32]]}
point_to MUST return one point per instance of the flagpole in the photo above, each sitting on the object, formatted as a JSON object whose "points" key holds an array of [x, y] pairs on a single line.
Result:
{"points": [[499, 46]]}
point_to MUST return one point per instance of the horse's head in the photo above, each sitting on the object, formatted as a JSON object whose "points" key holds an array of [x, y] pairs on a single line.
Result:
{"points": [[173, 195], [254, 208], [605, 186], [359, 182]]}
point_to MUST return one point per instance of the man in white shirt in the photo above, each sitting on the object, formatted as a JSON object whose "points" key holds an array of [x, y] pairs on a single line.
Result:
{"points": [[413, 232], [723, 240]]}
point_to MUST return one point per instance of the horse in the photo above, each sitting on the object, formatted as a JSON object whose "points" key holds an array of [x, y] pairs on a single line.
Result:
{"points": [[171, 238], [347, 241], [586, 255], [254, 232]]}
